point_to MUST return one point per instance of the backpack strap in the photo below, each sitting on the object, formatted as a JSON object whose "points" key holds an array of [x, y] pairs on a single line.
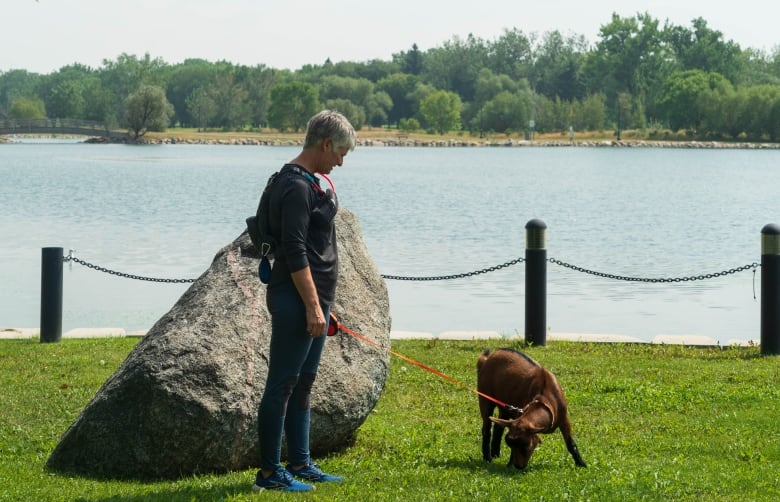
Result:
{"points": [[309, 177]]}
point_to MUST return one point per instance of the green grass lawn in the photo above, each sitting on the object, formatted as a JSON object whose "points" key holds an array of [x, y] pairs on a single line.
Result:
{"points": [[652, 422]]}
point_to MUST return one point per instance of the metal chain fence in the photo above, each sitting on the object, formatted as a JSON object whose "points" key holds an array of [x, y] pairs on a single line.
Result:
{"points": [[454, 276], [72, 258], [689, 278], [701, 277]]}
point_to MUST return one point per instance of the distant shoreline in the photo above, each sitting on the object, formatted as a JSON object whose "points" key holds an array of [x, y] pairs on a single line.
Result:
{"points": [[418, 142], [460, 143]]}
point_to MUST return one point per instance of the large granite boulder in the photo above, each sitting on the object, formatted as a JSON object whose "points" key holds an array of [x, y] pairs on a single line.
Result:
{"points": [[185, 399]]}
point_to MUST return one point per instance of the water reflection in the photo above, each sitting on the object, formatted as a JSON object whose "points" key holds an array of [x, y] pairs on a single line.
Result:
{"points": [[164, 211]]}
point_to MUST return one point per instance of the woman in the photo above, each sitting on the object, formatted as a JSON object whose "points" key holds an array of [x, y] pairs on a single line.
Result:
{"points": [[300, 293]]}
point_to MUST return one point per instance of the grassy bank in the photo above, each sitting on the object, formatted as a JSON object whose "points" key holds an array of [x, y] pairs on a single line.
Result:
{"points": [[652, 422]]}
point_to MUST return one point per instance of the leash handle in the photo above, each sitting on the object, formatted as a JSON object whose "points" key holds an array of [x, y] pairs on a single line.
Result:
{"points": [[512, 409]]}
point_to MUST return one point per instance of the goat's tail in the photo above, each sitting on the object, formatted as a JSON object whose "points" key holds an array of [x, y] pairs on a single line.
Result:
{"points": [[482, 358]]}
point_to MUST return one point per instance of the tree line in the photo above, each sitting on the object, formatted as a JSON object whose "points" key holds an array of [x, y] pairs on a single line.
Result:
{"points": [[639, 74]]}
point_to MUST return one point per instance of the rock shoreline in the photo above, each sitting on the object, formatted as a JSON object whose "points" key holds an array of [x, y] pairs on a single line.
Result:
{"points": [[460, 143], [449, 143]]}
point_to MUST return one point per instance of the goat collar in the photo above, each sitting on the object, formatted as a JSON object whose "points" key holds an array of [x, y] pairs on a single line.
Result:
{"points": [[542, 403]]}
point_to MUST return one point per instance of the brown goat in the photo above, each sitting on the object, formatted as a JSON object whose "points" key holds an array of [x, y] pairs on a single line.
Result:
{"points": [[514, 378]]}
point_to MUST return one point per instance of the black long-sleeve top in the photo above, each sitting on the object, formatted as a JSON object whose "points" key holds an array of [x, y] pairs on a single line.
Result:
{"points": [[302, 220]]}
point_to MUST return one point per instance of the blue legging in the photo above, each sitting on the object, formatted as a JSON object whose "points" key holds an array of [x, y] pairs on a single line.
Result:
{"points": [[292, 367]]}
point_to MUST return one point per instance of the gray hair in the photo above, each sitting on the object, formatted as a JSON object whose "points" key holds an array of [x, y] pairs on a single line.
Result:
{"points": [[333, 125]]}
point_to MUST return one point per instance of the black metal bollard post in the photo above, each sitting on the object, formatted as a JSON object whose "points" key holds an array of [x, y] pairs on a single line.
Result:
{"points": [[51, 295], [770, 289], [536, 283]]}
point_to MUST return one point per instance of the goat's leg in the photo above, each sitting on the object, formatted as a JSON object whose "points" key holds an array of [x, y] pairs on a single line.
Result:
{"points": [[486, 440], [486, 409], [565, 428], [575, 453], [495, 446]]}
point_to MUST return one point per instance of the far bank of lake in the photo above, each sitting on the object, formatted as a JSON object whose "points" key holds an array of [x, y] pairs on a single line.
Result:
{"points": [[406, 141], [372, 137]]}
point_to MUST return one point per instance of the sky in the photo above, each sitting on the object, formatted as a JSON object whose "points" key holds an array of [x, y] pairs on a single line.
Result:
{"points": [[42, 36]]}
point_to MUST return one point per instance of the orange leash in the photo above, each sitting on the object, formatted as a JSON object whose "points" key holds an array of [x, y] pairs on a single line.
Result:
{"points": [[341, 327]]}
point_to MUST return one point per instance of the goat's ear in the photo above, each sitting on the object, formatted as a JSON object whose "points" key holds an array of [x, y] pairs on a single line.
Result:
{"points": [[501, 421], [535, 427]]}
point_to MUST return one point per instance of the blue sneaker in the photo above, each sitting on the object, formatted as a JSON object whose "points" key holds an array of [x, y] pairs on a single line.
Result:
{"points": [[312, 472], [280, 480]]}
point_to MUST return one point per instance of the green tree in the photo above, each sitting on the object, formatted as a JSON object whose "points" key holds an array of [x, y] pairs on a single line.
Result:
{"points": [[147, 110], [555, 114], [679, 102], [505, 112], [626, 113], [557, 68], [377, 108], [201, 107], [17, 84], [400, 87], [258, 83], [64, 91], [230, 96], [511, 54], [292, 105], [702, 48], [545, 115], [412, 61], [455, 66], [441, 110], [419, 93], [354, 113], [758, 69], [409, 125], [720, 113], [773, 63], [774, 121], [591, 115], [757, 110], [98, 102], [737, 104], [126, 75], [27, 109], [629, 63], [356, 90], [488, 86], [183, 80], [375, 69], [66, 100], [362, 93]]}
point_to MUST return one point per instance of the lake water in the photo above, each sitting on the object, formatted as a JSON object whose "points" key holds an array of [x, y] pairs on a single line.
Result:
{"points": [[164, 211]]}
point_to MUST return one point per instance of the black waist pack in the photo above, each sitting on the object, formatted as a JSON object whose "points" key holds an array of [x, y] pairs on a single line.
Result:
{"points": [[259, 230]]}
